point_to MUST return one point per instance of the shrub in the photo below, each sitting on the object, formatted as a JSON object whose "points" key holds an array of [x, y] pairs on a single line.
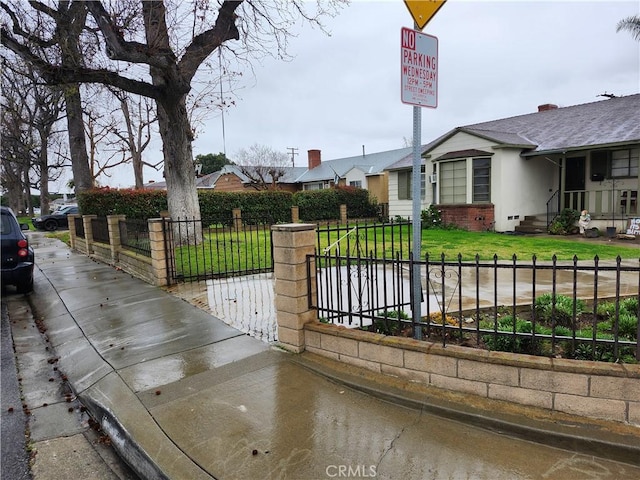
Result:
{"points": [[431, 218], [606, 309], [509, 343], [392, 323], [628, 326], [135, 204], [630, 305], [563, 313], [325, 204], [565, 222]]}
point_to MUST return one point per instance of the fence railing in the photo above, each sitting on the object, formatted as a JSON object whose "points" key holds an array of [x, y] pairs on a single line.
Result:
{"points": [[381, 240], [579, 310], [100, 229], [134, 236], [242, 248]]}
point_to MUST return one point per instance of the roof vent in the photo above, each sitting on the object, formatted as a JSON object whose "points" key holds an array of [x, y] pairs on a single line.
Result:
{"points": [[547, 106]]}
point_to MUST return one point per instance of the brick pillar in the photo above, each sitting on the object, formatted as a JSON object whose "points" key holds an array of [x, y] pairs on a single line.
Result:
{"points": [[72, 230], [113, 222], [291, 245], [88, 232], [343, 213], [295, 214], [159, 259], [236, 213]]}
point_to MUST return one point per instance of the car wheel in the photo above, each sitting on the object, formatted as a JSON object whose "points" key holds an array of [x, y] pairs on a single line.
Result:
{"points": [[50, 225], [25, 285]]}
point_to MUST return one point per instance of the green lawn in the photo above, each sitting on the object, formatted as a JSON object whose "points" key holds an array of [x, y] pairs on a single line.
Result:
{"points": [[488, 244]]}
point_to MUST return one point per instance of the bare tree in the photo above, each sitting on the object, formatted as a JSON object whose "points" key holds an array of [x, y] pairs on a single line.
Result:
{"points": [[172, 46], [139, 117], [30, 112], [262, 165]]}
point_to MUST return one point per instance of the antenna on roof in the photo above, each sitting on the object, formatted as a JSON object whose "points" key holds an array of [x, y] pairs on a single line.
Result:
{"points": [[608, 95]]}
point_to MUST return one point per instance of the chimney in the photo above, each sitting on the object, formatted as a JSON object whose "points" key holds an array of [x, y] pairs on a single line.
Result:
{"points": [[314, 158], [547, 106]]}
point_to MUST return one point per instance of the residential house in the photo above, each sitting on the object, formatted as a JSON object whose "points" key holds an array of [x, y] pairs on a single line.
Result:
{"points": [[496, 174], [366, 171]]}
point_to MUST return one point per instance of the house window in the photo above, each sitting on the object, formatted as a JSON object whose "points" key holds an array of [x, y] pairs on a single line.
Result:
{"points": [[481, 180], [624, 163], [405, 184], [313, 186], [453, 182], [356, 183]]}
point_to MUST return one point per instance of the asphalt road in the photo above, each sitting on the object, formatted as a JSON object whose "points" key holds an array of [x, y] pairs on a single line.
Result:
{"points": [[46, 433], [15, 460]]}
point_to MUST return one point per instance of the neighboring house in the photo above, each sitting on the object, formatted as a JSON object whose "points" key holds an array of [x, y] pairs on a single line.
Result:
{"points": [[492, 175], [230, 178], [366, 171]]}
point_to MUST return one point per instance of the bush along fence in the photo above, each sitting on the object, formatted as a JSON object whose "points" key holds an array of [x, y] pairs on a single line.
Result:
{"points": [[162, 251]]}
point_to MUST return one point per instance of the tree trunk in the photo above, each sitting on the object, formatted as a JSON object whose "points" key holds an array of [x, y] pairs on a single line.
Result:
{"points": [[136, 160], [44, 176], [179, 172], [77, 142]]}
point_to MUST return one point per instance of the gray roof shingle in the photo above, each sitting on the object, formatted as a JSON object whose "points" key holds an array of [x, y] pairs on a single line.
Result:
{"points": [[605, 122]]}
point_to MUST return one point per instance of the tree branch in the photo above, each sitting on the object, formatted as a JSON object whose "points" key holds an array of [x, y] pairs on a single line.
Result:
{"points": [[119, 49], [204, 44], [60, 75]]}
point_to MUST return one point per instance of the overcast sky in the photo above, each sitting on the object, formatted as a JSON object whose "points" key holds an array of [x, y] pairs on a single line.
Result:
{"points": [[495, 60]]}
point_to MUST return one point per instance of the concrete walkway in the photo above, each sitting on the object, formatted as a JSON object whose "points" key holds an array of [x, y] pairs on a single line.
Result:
{"points": [[185, 396]]}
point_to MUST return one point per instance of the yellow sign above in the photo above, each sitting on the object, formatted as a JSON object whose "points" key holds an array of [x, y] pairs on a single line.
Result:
{"points": [[423, 10]]}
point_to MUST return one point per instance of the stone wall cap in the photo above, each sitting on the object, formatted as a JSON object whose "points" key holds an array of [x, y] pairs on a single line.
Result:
{"points": [[292, 227]]}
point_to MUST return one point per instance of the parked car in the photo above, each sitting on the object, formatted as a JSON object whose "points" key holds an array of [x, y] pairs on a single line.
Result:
{"points": [[55, 220], [17, 256]]}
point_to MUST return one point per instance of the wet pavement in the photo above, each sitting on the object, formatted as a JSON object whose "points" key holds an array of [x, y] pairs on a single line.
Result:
{"points": [[184, 395]]}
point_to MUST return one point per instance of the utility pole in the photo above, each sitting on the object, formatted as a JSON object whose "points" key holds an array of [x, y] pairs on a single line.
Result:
{"points": [[293, 152]]}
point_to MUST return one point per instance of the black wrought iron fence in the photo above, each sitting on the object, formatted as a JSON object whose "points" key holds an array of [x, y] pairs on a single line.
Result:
{"points": [[134, 235], [580, 310], [204, 249], [382, 240], [100, 229]]}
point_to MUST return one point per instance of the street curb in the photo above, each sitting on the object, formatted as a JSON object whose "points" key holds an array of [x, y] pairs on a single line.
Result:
{"points": [[559, 431], [123, 442]]}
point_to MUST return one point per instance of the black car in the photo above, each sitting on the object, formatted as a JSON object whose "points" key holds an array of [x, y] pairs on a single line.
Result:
{"points": [[17, 256], [55, 220]]}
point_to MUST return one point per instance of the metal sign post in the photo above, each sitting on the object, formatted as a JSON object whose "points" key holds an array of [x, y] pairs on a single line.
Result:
{"points": [[419, 87], [416, 293]]}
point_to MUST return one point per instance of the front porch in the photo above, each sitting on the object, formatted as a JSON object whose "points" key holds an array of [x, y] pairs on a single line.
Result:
{"points": [[602, 204]]}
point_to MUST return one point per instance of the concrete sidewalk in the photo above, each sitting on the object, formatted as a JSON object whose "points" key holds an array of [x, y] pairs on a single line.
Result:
{"points": [[185, 396]]}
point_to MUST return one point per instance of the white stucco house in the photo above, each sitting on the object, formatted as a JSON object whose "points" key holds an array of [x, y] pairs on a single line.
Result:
{"points": [[498, 174]]}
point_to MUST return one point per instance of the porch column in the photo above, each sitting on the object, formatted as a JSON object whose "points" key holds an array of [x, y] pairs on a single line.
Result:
{"points": [[291, 245]]}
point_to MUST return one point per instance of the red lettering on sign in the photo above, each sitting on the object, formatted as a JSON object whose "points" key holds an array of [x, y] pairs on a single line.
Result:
{"points": [[408, 39]]}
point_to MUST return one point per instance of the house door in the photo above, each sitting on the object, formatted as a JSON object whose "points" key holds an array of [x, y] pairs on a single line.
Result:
{"points": [[574, 182]]}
